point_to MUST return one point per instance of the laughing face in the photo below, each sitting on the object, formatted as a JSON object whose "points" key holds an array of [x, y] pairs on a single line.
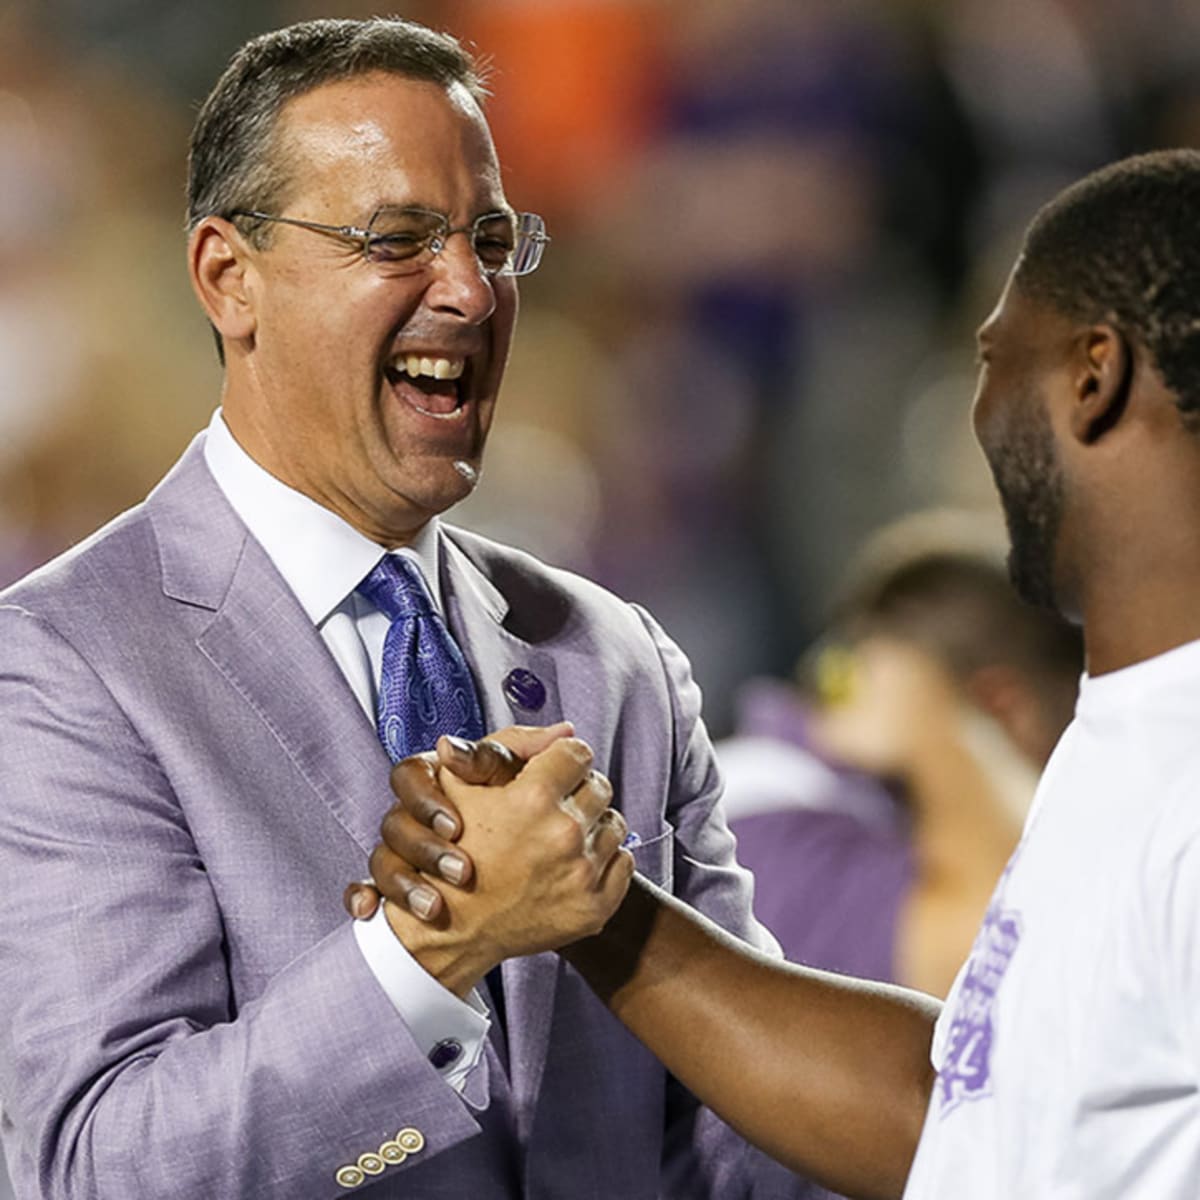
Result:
{"points": [[370, 391]]}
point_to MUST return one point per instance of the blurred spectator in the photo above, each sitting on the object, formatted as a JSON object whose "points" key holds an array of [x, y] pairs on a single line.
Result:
{"points": [[878, 804], [757, 215]]}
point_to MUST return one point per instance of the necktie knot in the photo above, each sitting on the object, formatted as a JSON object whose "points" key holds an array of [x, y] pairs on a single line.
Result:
{"points": [[396, 588], [425, 685]]}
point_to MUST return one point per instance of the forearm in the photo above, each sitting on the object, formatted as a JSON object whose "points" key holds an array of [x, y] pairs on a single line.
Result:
{"points": [[320, 1049], [829, 1075], [173, 1020]]}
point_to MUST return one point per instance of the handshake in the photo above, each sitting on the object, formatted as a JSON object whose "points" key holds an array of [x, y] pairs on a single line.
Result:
{"points": [[509, 846], [495, 849]]}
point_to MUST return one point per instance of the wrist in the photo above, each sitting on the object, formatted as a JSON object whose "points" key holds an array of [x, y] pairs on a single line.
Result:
{"points": [[457, 962]]}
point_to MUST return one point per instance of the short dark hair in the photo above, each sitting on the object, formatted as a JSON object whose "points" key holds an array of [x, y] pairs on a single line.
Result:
{"points": [[1122, 245], [233, 161]]}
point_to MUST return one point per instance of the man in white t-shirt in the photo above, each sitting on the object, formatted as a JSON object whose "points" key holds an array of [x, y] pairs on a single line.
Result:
{"points": [[1067, 1056]]}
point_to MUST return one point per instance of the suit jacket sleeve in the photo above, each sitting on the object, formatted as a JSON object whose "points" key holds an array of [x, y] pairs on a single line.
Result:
{"points": [[126, 1067], [702, 1156]]}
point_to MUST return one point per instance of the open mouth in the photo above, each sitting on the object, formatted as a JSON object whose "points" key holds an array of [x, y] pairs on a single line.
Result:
{"points": [[435, 387]]}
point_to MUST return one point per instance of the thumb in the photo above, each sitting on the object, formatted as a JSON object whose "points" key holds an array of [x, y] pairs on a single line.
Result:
{"points": [[482, 762], [498, 758], [525, 741]]}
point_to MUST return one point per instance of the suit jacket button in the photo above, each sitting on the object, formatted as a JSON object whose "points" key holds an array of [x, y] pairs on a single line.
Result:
{"points": [[524, 689], [392, 1153], [371, 1164], [412, 1141], [349, 1176], [445, 1054]]}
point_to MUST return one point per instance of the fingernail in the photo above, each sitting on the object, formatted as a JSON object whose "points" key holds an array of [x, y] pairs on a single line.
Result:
{"points": [[358, 905], [460, 744], [451, 867], [444, 825], [421, 900], [631, 839]]}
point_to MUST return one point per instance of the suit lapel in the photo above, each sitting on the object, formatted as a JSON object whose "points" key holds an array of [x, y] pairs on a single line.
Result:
{"points": [[264, 644], [479, 616]]}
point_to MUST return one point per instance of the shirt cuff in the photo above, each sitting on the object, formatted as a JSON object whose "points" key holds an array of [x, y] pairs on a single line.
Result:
{"points": [[450, 1032]]}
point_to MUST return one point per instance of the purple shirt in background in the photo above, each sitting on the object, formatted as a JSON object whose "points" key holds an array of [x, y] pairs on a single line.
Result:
{"points": [[829, 848]]}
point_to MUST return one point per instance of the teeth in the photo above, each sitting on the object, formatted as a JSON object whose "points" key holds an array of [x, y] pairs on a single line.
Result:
{"points": [[434, 368]]}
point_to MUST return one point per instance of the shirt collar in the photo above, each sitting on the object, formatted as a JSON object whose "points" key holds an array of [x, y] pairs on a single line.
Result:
{"points": [[321, 557]]}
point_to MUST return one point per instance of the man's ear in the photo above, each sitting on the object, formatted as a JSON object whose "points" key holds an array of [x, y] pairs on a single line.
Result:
{"points": [[1103, 377], [218, 265]]}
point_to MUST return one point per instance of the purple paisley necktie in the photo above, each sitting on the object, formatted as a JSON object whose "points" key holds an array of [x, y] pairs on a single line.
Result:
{"points": [[426, 687]]}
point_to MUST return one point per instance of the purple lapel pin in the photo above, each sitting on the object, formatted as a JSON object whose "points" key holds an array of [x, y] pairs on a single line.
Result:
{"points": [[525, 690]]}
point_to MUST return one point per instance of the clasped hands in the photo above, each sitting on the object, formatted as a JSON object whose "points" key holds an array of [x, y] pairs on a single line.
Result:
{"points": [[520, 827]]}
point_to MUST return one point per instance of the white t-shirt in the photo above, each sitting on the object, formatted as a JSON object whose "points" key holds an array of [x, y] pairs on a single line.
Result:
{"points": [[1068, 1053]]}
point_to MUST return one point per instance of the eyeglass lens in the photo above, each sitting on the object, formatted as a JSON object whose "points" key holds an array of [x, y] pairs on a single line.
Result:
{"points": [[403, 238]]}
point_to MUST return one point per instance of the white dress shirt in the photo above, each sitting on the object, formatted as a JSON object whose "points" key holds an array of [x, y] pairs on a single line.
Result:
{"points": [[323, 560]]}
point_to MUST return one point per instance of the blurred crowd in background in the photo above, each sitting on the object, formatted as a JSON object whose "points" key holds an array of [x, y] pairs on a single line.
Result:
{"points": [[776, 224]]}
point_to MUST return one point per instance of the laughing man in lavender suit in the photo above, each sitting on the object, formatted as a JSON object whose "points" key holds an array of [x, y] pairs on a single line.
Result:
{"points": [[194, 702]]}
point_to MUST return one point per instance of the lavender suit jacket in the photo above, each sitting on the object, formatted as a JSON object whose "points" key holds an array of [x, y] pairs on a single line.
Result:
{"points": [[186, 785]]}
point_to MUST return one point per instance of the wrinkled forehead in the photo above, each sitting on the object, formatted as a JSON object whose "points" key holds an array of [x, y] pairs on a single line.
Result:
{"points": [[382, 128]]}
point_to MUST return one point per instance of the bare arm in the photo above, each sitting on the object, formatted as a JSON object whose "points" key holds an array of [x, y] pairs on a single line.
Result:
{"points": [[829, 1074]]}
